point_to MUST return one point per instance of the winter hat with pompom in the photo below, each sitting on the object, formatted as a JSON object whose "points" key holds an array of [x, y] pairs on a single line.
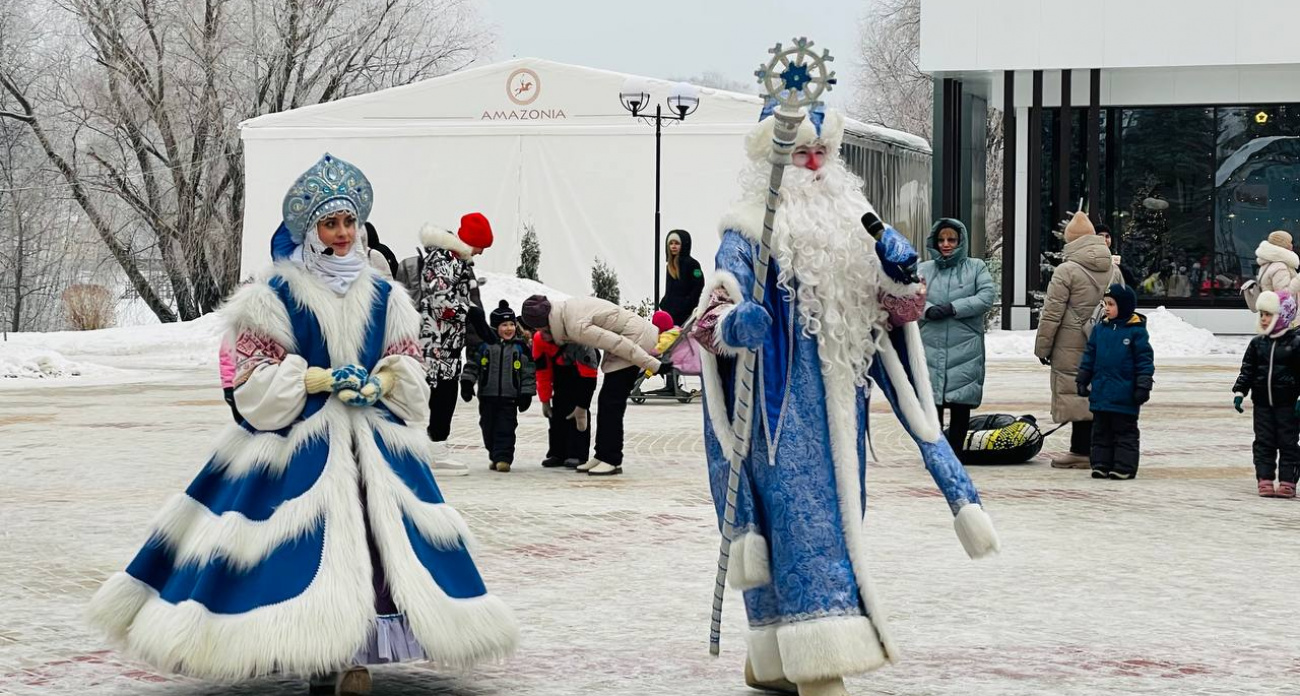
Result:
{"points": [[501, 315], [662, 320], [1282, 305], [1280, 238]]}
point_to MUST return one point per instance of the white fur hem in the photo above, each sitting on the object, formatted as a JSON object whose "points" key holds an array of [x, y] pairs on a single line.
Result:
{"points": [[976, 532], [842, 417], [436, 237], [829, 648], [749, 566], [764, 655]]}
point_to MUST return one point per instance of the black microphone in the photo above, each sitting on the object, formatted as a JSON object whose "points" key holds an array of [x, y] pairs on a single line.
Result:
{"points": [[329, 251], [874, 224]]}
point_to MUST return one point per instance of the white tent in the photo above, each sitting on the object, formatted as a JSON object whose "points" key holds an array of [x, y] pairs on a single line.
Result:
{"points": [[525, 142]]}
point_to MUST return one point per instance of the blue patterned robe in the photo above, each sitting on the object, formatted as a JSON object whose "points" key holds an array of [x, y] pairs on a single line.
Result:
{"points": [[799, 550], [318, 537]]}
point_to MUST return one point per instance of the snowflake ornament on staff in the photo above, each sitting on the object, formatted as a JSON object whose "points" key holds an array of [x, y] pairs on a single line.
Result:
{"points": [[794, 80]]}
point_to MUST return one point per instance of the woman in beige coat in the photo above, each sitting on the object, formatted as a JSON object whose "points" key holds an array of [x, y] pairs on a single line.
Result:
{"points": [[1076, 289], [627, 342]]}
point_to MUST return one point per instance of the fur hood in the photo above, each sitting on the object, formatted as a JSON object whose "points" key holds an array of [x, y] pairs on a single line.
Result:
{"points": [[432, 236], [1271, 253]]}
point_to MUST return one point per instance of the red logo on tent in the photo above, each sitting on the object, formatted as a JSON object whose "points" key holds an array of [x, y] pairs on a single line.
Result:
{"points": [[523, 86]]}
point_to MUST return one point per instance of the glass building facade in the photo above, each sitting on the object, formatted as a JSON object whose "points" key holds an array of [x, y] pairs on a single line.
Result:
{"points": [[1187, 191]]}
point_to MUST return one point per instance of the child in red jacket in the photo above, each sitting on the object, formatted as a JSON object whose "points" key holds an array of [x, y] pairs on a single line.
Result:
{"points": [[566, 382]]}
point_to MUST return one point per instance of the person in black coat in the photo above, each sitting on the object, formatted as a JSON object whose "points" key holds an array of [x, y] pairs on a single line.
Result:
{"points": [[1270, 376], [372, 242], [685, 278]]}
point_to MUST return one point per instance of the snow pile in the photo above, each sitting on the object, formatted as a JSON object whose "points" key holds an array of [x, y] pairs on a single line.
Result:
{"points": [[19, 361], [499, 286], [1171, 337], [191, 343]]}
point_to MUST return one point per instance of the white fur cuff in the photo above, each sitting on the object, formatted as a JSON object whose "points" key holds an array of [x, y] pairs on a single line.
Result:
{"points": [[975, 530], [749, 562], [829, 648]]}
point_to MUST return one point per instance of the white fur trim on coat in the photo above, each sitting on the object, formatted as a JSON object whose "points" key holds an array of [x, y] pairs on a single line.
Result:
{"points": [[748, 567], [829, 648], [764, 655], [976, 532], [842, 423], [1267, 252], [915, 403], [256, 308], [709, 373], [432, 236]]}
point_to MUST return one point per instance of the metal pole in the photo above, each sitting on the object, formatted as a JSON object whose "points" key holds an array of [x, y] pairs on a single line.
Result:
{"points": [[658, 151]]}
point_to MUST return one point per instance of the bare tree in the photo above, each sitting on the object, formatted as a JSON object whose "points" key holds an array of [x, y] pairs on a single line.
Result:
{"points": [[143, 119], [896, 93]]}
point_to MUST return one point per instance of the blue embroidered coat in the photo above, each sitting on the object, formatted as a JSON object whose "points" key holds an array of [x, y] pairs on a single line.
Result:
{"points": [[799, 551], [315, 525]]}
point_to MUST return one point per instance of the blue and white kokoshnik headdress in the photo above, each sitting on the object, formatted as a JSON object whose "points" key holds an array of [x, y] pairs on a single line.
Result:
{"points": [[330, 186]]}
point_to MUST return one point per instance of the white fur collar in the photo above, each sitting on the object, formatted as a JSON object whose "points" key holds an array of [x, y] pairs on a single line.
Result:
{"points": [[433, 236], [344, 320], [1272, 253], [745, 218]]}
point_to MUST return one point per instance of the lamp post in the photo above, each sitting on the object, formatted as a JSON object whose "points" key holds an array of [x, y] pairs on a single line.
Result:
{"points": [[683, 99]]}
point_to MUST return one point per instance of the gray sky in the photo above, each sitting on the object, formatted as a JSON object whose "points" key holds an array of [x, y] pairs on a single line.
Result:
{"points": [[676, 38]]}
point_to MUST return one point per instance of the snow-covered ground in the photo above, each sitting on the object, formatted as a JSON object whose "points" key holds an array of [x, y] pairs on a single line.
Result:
{"points": [[128, 352], [1174, 584], [1171, 337]]}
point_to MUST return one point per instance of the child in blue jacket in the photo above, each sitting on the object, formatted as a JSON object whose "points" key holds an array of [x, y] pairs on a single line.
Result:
{"points": [[1116, 375]]}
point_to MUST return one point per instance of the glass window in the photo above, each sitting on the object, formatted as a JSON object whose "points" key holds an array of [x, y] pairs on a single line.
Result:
{"points": [[1164, 198], [1257, 182]]}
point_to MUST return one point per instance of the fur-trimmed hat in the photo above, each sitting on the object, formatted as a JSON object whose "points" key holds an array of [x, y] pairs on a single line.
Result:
{"points": [[475, 231], [1282, 305], [820, 125], [501, 315], [1080, 226]]}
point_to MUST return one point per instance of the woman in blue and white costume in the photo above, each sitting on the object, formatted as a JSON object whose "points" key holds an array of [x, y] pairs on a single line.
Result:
{"points": [[315, 539]]}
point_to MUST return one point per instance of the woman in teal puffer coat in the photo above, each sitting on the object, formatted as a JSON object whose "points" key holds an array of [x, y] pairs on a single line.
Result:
{"points": [[959, 291]]}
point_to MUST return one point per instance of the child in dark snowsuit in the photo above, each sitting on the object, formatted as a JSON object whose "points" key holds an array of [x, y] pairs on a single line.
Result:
{"points": [[503, 371], [1116, 374], [1270, 375], [566, 383]]}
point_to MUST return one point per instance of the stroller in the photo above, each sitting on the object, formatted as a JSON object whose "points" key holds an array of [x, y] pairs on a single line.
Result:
{"points": [[684, 355]]}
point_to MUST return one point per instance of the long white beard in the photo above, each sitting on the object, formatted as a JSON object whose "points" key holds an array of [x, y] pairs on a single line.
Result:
{"points": [[827, 262]]}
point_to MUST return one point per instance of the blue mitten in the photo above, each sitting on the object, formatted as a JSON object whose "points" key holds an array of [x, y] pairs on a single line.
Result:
{"points": [[746, 326], [897, 256], [367, 395], [350, 377]]}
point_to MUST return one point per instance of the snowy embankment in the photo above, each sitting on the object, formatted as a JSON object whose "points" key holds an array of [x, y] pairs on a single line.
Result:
{"points": [[123, 352], [1171, 337]]}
